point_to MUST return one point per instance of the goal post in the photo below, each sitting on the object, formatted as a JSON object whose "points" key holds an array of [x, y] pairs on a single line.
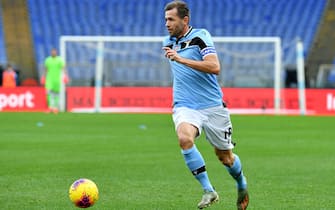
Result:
{"points": [[301, 76], [95, 56], [277, 60]]}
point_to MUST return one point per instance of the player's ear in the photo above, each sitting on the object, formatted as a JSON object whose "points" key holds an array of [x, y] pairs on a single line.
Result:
{"points": [[186, 20]]}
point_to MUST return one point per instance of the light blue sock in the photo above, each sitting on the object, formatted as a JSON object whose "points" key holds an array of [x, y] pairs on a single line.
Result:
{"points": [[236, 172], [196, 164]]}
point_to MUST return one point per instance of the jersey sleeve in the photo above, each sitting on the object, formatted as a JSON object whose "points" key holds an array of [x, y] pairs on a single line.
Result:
{"points": [[208, 46]]}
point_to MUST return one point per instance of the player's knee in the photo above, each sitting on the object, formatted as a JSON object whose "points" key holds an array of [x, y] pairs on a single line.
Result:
{"points": [[185, 141], [227, 161], [186, 134], [226, 157]]}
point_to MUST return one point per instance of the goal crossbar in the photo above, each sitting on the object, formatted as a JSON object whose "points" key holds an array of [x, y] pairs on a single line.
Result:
{"points": [[100, 50]]}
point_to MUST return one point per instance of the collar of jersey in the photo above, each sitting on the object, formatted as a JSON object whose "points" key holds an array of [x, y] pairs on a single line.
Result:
{"points": [[173, 38]]}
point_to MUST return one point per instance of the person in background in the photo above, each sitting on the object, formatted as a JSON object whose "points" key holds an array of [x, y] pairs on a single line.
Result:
{"points": [[52, 78], [197, 102], [9, 77]]}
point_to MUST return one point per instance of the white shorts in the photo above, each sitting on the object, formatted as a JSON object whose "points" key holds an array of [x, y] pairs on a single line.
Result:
{"points": [[215, 121]]}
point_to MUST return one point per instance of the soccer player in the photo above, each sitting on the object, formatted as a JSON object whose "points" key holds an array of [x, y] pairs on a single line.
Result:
{"points": [[54, 65], [197, 102]]}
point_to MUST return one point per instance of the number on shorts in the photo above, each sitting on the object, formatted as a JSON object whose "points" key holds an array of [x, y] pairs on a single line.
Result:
{"points": [[228, 133]]}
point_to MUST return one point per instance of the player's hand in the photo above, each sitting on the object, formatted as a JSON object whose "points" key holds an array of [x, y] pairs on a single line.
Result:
{"points": [[66, 79], [171, 54]]}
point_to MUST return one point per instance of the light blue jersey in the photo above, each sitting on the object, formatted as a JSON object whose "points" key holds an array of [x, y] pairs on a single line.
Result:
{"points": [[192, 88]]}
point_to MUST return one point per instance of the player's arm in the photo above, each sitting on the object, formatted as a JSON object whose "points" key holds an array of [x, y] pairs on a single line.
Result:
{"points": [[209, 64], [65, 76]]}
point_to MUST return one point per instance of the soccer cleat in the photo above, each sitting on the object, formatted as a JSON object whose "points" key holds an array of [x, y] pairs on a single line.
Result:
{"points": [[208, 199], [242, 199]]}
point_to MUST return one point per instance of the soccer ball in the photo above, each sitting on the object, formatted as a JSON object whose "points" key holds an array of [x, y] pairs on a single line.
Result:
{"points": [[83, 193]]}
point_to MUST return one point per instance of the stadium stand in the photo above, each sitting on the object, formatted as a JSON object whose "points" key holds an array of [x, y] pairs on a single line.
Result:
{"points": [[3, 58], [287, 19]]}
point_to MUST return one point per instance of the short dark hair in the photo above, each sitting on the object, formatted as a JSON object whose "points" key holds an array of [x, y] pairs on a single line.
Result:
{"points": [[182, 8]]}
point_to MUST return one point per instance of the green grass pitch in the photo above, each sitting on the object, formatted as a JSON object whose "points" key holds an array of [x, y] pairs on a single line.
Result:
{"points": [[136, 162]]}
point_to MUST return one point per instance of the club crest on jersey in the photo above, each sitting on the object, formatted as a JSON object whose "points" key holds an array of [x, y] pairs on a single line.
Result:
{"points": [[185, 44]]}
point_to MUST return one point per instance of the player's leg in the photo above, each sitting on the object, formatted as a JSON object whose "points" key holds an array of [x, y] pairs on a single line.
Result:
{"points": [[48, 94], [48, 89], [56, 102], [51, 99], [219, 133], [52, 88], [188, 128], [186, 134], [234, 166], [55, 96]]}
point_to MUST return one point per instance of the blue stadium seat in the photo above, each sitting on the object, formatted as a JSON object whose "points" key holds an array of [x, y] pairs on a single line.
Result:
{"points": [[287, 19], [3, 57]]}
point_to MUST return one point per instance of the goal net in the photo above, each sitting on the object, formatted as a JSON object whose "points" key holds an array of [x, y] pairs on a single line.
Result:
{"points": [[326, 76], [122, 61]]}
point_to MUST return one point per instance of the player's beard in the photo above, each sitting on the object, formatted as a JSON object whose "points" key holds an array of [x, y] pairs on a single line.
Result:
{"points": [[178, 32]]}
